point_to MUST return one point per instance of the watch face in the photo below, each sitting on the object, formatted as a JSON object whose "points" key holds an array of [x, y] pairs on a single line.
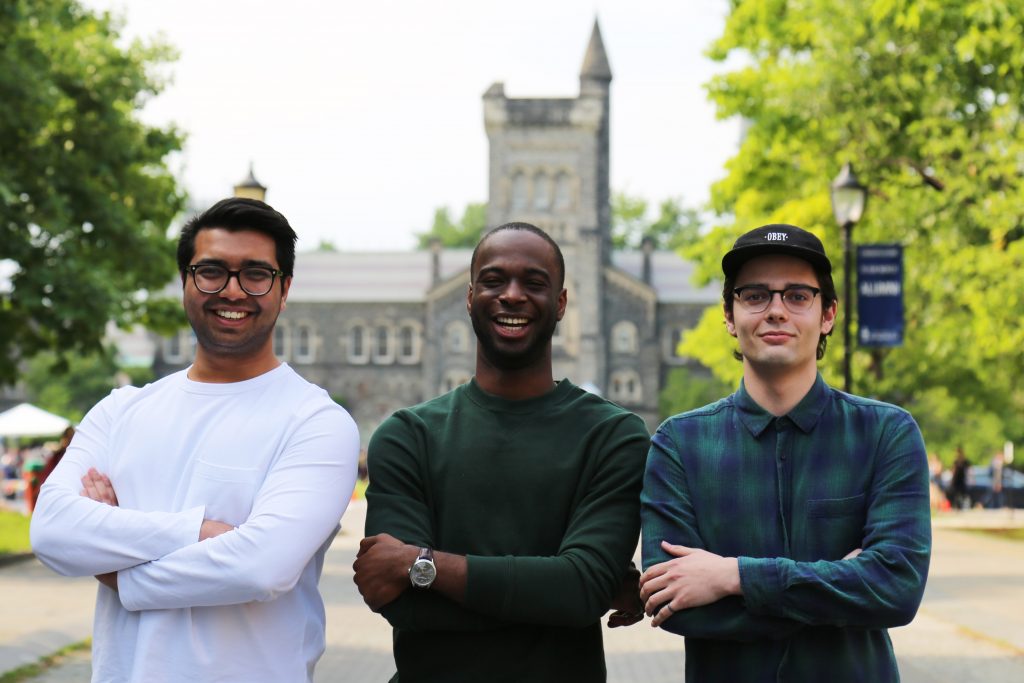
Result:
{"points": [[422, 573]]}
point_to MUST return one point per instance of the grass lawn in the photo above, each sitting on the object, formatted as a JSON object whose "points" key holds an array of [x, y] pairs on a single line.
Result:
{"points": [[1009, 534], [13, 533], [30, 671]]}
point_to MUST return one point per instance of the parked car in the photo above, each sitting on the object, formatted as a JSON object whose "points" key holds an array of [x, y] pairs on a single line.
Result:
{"points": [[979, 486]]}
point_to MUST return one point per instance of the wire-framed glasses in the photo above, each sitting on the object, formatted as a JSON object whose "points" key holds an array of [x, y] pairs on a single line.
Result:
{"points": [[757, 298], [211, 278]]}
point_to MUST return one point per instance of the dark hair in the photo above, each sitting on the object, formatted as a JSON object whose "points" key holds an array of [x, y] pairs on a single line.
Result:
{"points": [[828, 295], [235, 214], [527, 227]]}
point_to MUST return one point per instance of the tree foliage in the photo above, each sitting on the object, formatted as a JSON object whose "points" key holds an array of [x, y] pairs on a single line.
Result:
{"points": [[685, 390], [85, 195], [464, 233], [924, 97], [674, 227]]}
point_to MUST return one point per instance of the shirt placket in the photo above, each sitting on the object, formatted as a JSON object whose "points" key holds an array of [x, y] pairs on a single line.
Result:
{"points": [[784, 476]]}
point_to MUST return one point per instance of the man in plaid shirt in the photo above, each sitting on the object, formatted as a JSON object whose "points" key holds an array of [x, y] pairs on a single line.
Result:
{"points": [[785, 527]]}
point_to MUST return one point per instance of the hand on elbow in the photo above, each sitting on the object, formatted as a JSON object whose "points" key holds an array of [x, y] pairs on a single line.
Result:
{"points": [[382, 569], [693, 578]]}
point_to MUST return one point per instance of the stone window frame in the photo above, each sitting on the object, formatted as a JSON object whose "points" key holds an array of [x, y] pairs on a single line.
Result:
{"points": [[453, 378], [388, 328], [625, 386], [307, 326], [671, 338], [457, 329], [282, 340], [625, 337], [519, 194], [363, 328], [186, 346], [543, 195], [416, 330], [562, 198]]}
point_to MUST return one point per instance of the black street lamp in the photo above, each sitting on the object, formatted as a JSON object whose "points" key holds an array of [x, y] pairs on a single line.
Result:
{"points": [[848, 200]]}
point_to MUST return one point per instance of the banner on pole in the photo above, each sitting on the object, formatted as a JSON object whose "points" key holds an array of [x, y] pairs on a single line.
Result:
{"points": [[880, 295]]}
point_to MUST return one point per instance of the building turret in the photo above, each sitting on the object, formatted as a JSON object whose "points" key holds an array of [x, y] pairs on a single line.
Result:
{"points": [[250, 188], [596, 72]]}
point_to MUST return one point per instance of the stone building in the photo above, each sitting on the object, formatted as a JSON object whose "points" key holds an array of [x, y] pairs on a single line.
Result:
{"points": [[381, 331]]}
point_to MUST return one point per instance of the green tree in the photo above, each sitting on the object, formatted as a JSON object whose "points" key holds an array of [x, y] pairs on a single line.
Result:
{"points": [[465, 233], [70, 384], [85, 195], [685, 390], [924, 98], [674, 227]]}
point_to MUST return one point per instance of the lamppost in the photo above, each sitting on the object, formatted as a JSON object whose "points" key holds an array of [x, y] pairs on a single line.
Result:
{"points": [[848, 200]]}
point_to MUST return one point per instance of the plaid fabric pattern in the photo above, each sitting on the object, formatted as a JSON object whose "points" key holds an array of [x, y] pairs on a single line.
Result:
{"points": [[790, 496]]}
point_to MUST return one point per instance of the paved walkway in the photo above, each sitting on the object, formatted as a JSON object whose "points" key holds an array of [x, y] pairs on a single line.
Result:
{"points": [[970, 628]]}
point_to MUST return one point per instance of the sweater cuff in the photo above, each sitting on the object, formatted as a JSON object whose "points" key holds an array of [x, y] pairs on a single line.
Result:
{"points": [[128, 589], [487, 584], [761, 585]]}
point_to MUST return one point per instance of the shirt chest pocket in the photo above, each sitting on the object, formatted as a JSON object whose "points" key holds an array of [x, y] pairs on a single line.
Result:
{"points": [[835, 526], [227, 492]]}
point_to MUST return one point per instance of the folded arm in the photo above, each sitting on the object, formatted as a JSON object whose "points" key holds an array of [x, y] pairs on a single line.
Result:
{"points": [[587, 569], [882, 586], [77, 536], [696, 606], [296, 511]]}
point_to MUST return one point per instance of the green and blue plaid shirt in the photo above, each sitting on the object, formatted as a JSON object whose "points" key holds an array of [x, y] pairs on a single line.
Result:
{"points": [[790, 496]]}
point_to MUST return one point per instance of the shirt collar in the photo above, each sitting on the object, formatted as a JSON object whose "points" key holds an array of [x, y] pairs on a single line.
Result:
{"points": [[804, 415]]}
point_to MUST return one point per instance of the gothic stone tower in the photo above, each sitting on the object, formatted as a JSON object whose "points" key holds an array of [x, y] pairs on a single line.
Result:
{"points": [[549, 166]]}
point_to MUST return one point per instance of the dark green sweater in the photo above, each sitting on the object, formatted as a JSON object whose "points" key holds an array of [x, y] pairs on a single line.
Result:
{"points": [[542, 496]]}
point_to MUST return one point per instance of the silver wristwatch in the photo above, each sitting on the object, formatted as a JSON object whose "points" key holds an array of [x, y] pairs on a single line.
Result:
{"points": [[423, 572]]}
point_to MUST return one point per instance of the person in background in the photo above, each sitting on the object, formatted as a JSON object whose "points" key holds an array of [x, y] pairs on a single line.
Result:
{"points": [[55, 457]]}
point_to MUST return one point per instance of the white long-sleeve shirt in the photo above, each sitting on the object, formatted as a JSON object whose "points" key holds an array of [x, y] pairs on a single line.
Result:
{"points": [[272, 456]]}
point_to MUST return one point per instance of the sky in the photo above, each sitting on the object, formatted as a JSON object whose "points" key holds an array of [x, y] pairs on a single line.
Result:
{"points": [[364, 117]]}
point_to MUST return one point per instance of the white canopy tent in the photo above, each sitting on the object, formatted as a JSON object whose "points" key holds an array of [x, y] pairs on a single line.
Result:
{"points": [[26, 420]]}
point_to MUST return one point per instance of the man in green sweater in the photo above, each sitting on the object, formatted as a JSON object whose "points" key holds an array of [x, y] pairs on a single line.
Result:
{"points": [[502, 516]]}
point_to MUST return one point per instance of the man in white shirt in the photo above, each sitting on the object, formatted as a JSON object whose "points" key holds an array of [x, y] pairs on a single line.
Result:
{"points": [[204, 502]]}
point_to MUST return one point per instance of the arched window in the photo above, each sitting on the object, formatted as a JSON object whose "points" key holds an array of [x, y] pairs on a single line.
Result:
{"points": [[409, 342], [625, 387], [541, 191], [563, 192], [456, 337], [383, 343], [282, 340], [520, 191], [624, 337], [452, 379], [305, 348], [358, 344], [180, 348]]}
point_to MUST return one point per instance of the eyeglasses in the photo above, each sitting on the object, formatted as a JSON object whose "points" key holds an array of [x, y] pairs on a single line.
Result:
{"points": [[210, 278], [757, 299]]}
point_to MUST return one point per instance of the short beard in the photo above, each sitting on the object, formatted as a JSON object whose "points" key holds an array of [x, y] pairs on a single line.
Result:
{"points": [[512, 361]]}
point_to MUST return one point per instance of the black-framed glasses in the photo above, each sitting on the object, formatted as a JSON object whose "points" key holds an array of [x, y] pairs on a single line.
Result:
{"points": [[757, 298], [210, 278]]}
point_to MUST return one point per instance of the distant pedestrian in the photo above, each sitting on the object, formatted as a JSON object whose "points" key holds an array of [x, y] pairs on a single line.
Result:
{"points": [[958, 481], [57, 455], [996, 470]]}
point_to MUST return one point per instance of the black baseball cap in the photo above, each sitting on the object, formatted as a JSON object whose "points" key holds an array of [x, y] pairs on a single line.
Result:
{"points": [[777, 238]]}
